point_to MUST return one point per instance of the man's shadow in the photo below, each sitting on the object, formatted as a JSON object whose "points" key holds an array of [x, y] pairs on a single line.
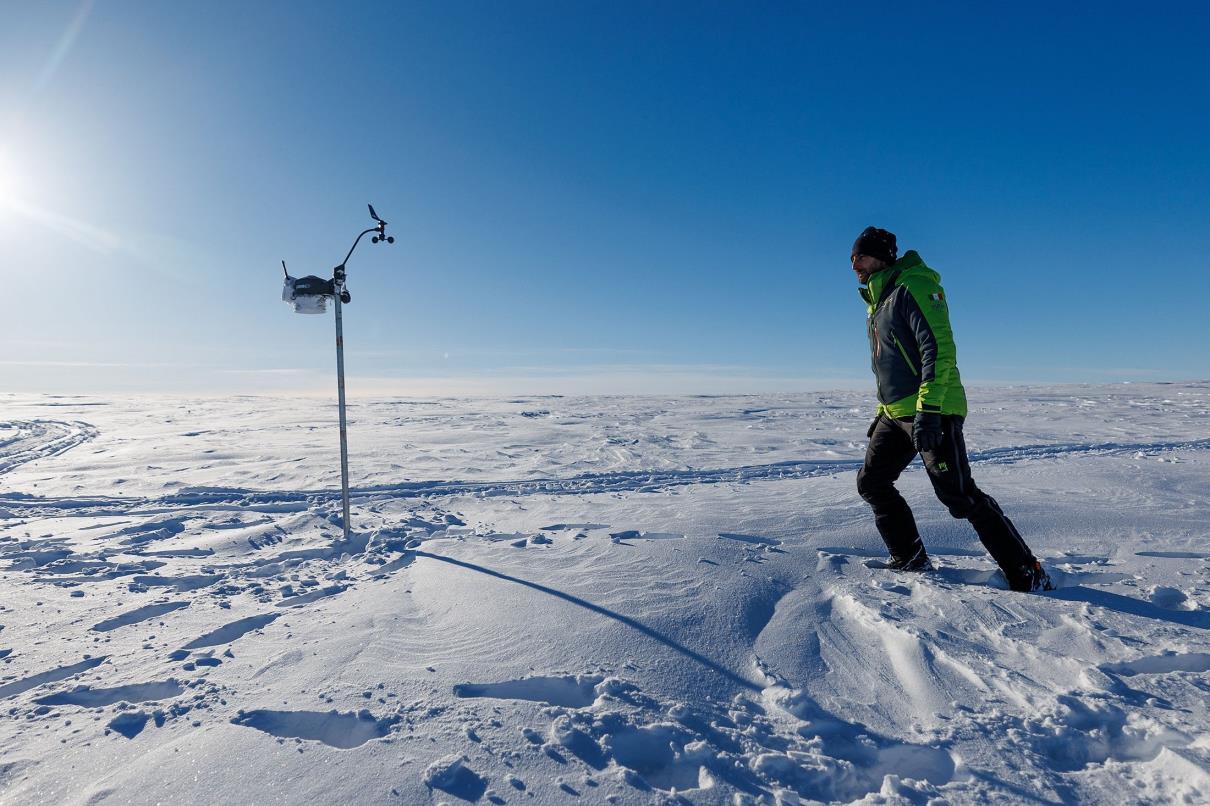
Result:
{"points": [[1198, 619]]}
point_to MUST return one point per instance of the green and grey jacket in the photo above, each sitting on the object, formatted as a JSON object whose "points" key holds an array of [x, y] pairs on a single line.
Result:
{"points": [[912, 348]]}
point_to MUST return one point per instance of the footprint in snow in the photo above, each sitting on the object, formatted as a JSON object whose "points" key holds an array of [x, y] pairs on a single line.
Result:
{"points": [[307, 598], [451, 775], [567, 691], [138, 614], [129, 723], [62, 673], [635, 534], [757, 540], [150, 532], [1069, 579], [181, 584], [1196, 662], [1175, 555], [1076, 559], [341, 730], [88, 697], [233, 631]]}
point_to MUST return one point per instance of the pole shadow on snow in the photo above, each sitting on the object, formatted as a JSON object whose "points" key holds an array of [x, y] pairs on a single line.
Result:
{"points": [[595, 608], [1132, 607]]}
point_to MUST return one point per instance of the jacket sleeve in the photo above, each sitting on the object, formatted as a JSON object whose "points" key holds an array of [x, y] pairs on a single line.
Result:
{"points": [[928, 318]]}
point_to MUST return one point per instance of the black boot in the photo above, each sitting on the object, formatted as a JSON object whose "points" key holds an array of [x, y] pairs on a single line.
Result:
{"points": [[917, 562], [1030, 578]]}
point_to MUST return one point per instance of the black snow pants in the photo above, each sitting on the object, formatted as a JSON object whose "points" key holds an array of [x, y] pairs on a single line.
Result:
{"points": [[890, 451]]}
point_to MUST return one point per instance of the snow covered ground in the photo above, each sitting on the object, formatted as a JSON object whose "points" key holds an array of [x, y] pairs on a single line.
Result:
{"points": [[628, 600]]}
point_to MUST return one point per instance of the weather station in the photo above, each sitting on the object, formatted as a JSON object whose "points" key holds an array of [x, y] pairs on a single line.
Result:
{"points": [[310, 295]]}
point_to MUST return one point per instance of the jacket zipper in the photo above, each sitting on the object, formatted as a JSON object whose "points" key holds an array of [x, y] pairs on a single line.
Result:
{"points": [[877, 352], [903, 353]]}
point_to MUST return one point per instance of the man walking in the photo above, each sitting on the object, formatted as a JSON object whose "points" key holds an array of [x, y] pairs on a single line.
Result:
{"points": [[921, 408]]}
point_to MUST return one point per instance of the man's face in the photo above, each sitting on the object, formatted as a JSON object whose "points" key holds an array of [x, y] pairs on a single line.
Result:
{"points": [[865, 266]]}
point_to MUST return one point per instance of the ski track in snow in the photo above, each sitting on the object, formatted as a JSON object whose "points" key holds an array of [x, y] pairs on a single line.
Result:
{"points": [[26, 441], [737, 661], [588, 484]]}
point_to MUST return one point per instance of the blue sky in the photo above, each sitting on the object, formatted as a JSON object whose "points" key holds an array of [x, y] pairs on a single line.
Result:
{"points": [[595, 197]]}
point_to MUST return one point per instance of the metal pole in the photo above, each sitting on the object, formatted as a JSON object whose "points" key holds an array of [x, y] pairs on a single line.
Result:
{"points": [[337, 291], [338, 283]]}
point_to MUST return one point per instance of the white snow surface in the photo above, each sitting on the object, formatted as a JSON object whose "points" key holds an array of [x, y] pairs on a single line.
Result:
{"points": [[609, 599]]}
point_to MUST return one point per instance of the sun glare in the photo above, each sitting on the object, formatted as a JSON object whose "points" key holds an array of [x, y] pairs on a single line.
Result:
{"points": [[8, 176]]}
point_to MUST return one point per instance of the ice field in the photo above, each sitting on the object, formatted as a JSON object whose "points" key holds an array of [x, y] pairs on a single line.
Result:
{"points": [[595, 600]]}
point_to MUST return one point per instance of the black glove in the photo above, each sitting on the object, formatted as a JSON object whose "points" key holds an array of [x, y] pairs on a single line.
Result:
{"points": [[874, 425], [926, 432]]}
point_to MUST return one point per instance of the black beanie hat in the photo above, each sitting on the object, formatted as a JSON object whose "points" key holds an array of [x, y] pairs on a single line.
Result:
{"points": [[877, 243]]}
